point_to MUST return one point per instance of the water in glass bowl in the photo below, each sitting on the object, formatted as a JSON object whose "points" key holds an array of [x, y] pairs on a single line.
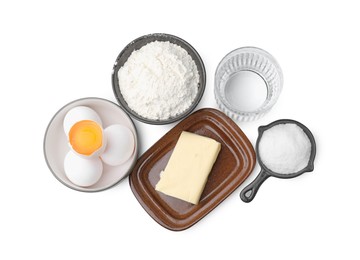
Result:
{"points": [[246, 91]]}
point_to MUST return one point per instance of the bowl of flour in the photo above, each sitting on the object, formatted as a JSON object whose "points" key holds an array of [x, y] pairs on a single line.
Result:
{"points": [[158, 78]]}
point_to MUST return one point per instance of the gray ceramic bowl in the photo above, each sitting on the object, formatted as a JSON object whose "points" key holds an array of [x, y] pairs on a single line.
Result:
{"points": [[137, 44]]}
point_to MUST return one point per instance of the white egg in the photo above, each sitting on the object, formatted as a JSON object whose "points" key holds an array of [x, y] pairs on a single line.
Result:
{"points": [[82, 172], [77, 114], [120, 145]]}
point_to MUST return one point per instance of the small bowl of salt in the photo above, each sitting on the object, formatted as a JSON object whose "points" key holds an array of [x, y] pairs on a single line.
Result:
{"points": [[158, 78], [285, 149]]}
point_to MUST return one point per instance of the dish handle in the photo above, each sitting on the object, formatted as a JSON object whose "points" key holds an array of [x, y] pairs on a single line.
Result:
{"points": [[249, 192]]}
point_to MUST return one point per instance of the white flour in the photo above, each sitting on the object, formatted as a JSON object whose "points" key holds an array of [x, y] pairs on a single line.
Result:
{"points": [[159, 81]]}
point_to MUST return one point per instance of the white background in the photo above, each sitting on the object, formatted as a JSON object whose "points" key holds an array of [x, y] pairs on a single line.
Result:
{"points": [[53, 53]]}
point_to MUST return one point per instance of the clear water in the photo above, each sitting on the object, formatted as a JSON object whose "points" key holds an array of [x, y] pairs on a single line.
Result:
{"points": [[246, 91]]}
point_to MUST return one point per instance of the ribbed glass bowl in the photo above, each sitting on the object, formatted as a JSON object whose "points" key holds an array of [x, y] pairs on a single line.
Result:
{"points": [[247, 59]]}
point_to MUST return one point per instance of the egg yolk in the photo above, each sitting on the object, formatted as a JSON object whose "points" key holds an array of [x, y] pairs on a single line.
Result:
{"points": [[85, 137]]}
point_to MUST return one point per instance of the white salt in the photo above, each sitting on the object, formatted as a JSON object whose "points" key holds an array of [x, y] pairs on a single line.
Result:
{"points": [[285, 148]]}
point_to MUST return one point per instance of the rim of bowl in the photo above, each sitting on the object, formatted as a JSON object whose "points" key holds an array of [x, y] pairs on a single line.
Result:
{"points": [[252, 49], [129, 48], [84, 189]]}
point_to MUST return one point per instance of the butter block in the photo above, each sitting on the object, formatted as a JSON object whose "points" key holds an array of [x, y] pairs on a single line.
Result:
{"points": [[189, 166]]}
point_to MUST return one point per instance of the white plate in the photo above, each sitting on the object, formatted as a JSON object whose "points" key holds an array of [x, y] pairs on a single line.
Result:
{"points": [[56, 146]]}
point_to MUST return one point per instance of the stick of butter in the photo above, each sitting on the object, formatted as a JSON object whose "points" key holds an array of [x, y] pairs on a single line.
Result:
{"points": [[189, 166]]}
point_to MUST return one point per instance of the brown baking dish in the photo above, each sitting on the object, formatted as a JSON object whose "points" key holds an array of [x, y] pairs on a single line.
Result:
{"points": [[234, 164]]}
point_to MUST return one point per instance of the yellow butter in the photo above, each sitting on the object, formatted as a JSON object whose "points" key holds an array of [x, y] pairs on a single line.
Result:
{"points": [[187, 171]]}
